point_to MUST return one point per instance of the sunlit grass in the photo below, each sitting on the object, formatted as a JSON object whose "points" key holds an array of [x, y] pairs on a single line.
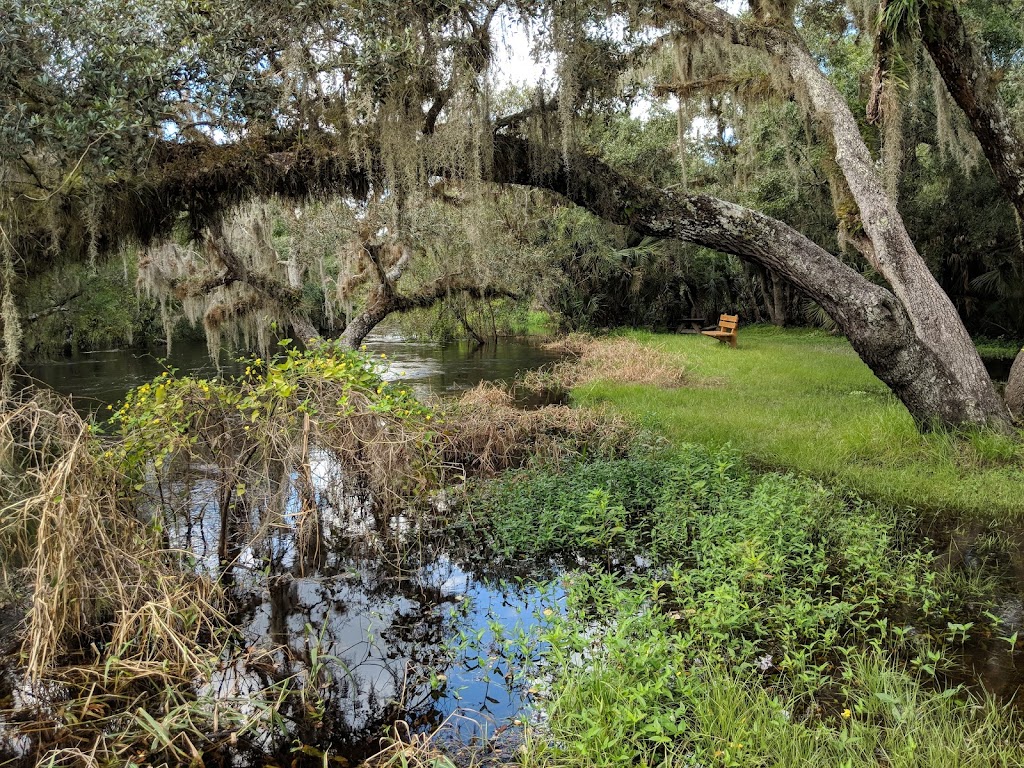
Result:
{"points": [[540, 323], [803, 400]]}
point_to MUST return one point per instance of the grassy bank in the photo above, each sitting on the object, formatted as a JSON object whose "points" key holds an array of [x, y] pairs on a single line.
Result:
{"points": [[803, 400], [997, 349], [776, 622]]}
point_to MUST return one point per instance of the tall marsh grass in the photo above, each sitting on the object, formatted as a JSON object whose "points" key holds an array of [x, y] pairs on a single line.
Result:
{"points": [[88, 559]]}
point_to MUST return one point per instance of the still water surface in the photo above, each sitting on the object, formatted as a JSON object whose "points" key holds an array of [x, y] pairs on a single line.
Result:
{"points": [[422, 639], [98, 379]]}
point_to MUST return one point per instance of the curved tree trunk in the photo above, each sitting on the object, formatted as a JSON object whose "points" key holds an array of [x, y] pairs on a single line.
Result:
{"points": [[877, 324], [934, 319], [971, 84], [875, 321], [923, 373], [360, 326]]}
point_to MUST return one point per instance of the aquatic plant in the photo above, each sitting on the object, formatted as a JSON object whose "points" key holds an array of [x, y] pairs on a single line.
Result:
{"points": [[131, 544], [774, 621]]}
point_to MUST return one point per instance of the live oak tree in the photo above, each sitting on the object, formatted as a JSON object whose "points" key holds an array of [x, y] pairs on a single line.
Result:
{"points": [[973, 79], [252, 269], [118, 123]]}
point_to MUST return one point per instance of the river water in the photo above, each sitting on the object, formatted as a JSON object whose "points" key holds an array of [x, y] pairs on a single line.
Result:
{"points": [[421, 638], [97, 379]]}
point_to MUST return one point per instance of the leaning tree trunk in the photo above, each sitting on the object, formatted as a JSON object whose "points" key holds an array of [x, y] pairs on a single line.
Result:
{"points": [[872, 317], [877, 324], [935, 321], [888, 333], [934, 317], [359, 327], [974, 88]]}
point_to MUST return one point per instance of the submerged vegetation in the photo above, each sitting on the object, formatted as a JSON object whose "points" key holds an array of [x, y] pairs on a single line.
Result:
{"points": [[128, 604]]}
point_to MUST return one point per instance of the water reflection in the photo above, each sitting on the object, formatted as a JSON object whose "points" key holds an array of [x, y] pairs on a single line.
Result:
{"points": [[97, 379], [368, 618], [377, 622], [990, 663]]}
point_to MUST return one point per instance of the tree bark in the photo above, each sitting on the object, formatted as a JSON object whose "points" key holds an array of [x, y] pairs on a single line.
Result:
{"points": [[935, 320], [778, 301], [1015, 388], [359, 327], [971, 84], [774, 296], [973, 87]]}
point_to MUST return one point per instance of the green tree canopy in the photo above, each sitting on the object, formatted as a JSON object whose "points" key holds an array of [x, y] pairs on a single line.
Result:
{"points": [[124, 118]]}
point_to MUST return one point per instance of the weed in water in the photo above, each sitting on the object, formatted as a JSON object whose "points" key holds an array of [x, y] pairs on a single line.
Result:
{"points": [[781, 623]]}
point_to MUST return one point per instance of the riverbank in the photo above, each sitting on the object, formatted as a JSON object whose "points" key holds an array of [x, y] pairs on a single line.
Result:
{"points": [[732, 595], [658, 601], [802, 400], [721, 616]]}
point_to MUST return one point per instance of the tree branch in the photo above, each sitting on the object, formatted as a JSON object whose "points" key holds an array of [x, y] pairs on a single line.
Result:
{"points": [[975, 90], [516, 118]]}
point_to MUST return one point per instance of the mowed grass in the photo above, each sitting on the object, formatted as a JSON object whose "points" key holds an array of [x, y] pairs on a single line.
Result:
{"points": [[803, 400]]}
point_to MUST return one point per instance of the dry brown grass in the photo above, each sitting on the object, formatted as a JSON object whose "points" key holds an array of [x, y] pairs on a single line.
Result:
{"points": [[405, 749], [120, 622], [88, 558], [487, 433], [614, 358], [438, 749]]}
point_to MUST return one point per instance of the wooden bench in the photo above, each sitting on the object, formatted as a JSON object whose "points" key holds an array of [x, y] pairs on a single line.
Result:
{"points": [[726, 331]]}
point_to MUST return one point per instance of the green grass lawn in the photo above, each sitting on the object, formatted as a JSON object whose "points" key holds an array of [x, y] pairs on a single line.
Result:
{"points": [[803, 400]]}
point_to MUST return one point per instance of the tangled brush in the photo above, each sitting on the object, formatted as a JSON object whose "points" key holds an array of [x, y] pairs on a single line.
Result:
{"points": [[486, 432]]}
